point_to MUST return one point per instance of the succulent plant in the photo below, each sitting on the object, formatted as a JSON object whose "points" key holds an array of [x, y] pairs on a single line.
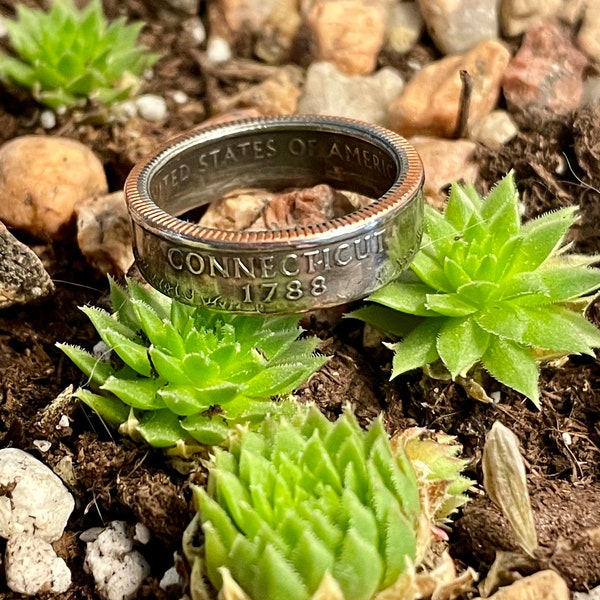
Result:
{"points": [[189, 373], [487, 290], [308, 508], [66, 56]]}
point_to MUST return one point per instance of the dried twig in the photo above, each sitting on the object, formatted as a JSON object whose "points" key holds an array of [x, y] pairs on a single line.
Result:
{"points": [[465, 103]]}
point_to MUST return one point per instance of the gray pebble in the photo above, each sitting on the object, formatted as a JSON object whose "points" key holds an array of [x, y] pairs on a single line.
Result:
{"points": [[327, 91], [22, 275], [151, 107]]}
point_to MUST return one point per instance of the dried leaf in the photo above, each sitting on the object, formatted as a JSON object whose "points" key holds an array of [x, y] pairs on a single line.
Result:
{"points": [[505, 482]]}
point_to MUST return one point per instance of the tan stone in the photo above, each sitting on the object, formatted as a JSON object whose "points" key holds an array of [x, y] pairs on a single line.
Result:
{"points": [[543, 585], [276, 95], [349, 33], [41, 180], [588, 38], [248, 15], [494, 130], [429, 104], [517, 16], [237, 211], [444, 161], [572, 11], [104, 233], [275, 38], [404, 27]]}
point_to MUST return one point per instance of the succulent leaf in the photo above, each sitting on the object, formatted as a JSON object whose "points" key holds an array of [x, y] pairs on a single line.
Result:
{"points": [[67, 56], [197, 370], [271, 504], [504, 294], [111, 409], [417, 348], [513, 365], [97, 370]]}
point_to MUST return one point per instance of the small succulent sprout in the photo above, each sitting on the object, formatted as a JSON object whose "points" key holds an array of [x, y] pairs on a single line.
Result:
{"points": [[67, 56], [308, 508], [187, 373], [434, 456], [487, 290]]}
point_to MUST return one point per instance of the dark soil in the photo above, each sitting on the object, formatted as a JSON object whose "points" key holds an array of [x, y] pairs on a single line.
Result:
{"points": [[555, 161]]}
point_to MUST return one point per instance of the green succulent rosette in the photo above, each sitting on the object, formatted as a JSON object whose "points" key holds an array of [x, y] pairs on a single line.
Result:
{"points": [[486, 290], [67, 56], [307, 508], [177, 373]]}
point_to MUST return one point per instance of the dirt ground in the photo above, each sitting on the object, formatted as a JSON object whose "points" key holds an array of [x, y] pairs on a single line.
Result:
{"points": [[115, 479]]}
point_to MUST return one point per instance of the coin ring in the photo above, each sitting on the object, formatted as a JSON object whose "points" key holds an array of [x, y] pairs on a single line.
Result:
{"points": [[285, 270]]}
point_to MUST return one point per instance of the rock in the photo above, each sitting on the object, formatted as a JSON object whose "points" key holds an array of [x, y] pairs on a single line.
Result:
{"points": [[456, 26], [104, 233], [195, 29], [404, 27], [546, 73], [170, 578], [123, 111], [48, 119], [151, 107], [591, 90], [327, 91], [242, 15], [37, 503], [22, 275], [430, 102], [237, 211], [588, 37], [218, 50], [272, 24], [304, 207], [276, 36], [543, 585], [142, 534], [276, 95], [571, 12], [494, 130], [170, 13], [41, 180], [180, 97], [517, 16], [444, 161], [117, 568], [593, 594], [348, 33], [259, 209], [32, 567]]}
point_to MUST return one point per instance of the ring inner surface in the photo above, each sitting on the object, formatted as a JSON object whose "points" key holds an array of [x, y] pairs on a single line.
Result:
{"points": [[208, 169]]}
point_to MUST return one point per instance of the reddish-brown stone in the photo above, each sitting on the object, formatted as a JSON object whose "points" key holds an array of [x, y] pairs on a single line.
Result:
{"points": [[546, 73]]}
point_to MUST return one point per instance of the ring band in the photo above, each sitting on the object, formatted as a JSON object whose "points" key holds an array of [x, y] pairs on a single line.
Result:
{"points": [[285, 270]]}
